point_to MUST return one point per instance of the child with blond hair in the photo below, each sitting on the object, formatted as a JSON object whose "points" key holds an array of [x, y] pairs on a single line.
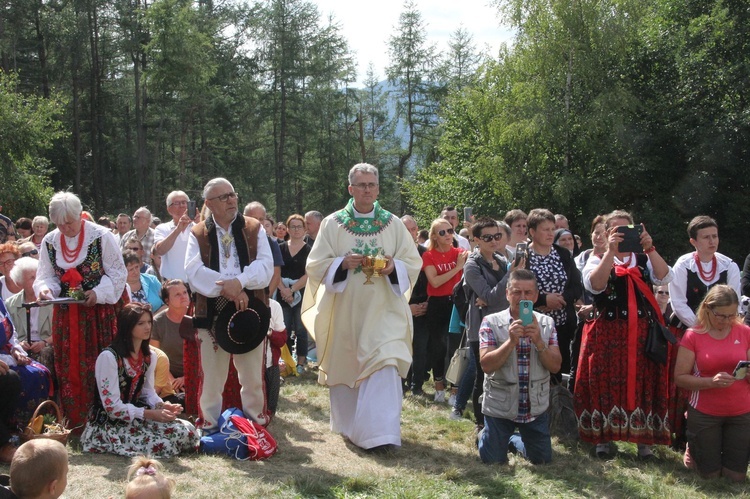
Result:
{"points": [[146, 481]]}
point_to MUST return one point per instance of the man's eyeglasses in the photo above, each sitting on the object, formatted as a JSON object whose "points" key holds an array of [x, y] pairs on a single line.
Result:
{"points": [[723, 316], [662, 293], [442, 232], [489, 237], [224, 197], [30, 253], [364, 186], [178, 203]]}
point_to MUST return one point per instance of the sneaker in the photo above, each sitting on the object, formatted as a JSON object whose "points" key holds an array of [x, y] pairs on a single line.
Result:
{"points": [[300, 369], [439, 395], [452, 400], [456, 415]]}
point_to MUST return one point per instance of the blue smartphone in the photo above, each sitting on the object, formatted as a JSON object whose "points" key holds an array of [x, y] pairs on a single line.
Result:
{"points": [[526, 312]]}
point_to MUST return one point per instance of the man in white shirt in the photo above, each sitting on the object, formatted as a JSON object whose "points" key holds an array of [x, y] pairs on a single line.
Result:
{"points": [[220, 269], [171, 238]]}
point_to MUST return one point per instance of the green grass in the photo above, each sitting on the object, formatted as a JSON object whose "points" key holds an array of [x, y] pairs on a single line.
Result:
{"points": [[438, 459]]}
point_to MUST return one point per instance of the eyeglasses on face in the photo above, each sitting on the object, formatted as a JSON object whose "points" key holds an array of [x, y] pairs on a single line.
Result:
{"points": [[489, 237], [30, 253], [224, 197], [442, 232], [7, 262], [662, 292], [363, 186], [178, 203], [723, 316]]}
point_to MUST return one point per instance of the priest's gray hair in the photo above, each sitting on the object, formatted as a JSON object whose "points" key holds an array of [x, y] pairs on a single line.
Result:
{"points": [[362, 168], [64, 206]]}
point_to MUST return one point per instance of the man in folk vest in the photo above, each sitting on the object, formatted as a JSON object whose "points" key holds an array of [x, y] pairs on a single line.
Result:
{"points": [[228, 260], [517, 360]]}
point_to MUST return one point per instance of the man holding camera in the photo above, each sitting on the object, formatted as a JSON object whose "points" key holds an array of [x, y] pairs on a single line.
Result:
{"points": [[517, 354]]}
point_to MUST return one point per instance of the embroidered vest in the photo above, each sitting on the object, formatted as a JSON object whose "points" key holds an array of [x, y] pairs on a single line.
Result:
{"points": [[245, 231]]}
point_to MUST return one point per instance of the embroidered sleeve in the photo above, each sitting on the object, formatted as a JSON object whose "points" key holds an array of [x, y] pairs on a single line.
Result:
{"points": [[108, 384]]}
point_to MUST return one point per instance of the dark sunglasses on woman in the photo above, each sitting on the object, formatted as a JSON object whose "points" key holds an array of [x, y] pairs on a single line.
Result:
{"points": [[30, 253], [442, 232]]}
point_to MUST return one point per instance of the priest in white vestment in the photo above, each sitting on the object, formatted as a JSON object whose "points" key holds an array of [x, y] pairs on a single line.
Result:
{"points": [[362, 332]]}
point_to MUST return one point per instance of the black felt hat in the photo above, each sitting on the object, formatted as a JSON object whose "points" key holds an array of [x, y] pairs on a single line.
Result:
{"points": [[238, 332]]}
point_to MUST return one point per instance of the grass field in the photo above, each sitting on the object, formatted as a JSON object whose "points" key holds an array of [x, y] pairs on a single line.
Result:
{"points": [[437, 459]]}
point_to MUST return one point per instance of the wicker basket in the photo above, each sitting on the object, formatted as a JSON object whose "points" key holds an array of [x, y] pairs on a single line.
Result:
{"points": [[28, 434]]}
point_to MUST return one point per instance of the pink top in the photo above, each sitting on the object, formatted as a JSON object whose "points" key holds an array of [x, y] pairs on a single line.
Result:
{"points": [[713, 356]]}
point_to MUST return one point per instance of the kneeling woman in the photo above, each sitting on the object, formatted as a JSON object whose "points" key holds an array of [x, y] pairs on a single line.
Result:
{"points": [[718, 423], [128, 417]]}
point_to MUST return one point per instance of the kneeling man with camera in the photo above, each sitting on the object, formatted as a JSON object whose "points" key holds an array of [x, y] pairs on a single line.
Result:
{"points": [[518, 350]]}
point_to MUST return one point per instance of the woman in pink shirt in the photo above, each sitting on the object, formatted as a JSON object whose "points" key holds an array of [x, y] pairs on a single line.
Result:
{"points": [[718, 423]]}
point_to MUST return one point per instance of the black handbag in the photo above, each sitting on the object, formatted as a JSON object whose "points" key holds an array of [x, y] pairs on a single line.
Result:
{"points": [[657, 342]]}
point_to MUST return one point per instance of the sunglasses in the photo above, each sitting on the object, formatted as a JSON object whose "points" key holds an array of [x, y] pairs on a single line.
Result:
{"points": [[662, 293], [30, 253], [442, 232], [489, 237]]}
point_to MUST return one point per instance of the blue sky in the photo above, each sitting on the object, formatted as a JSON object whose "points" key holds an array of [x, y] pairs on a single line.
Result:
{"points": [[368, 25]]}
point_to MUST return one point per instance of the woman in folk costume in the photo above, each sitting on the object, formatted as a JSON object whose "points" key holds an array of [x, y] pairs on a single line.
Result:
{"points": [[620, 394], [82, 260], [694, 275]]}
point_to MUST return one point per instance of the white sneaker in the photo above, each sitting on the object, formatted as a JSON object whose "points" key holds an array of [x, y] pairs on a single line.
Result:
{"points": [[452, 400], [456, 415], [439, 395]]}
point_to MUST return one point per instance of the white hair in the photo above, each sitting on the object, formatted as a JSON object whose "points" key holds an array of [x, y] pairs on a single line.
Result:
{"points": [[254, 205], [64, 206], [23, 265], [408, 218], [213, 183], [362, 168], [174, 194], [40, 220], [314, 214]]}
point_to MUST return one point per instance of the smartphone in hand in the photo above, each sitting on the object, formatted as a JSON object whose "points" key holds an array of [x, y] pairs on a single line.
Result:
{"points": [[526, 312], [631, 242], [741, 370], [467, 213], [191, 210], [520, 253]]}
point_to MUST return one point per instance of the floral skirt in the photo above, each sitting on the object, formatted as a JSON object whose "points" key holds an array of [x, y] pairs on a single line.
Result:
{"points": [[140, 437], [602, 384]]}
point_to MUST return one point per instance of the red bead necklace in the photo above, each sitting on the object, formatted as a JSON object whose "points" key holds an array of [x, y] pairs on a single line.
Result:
{"points": [[711, 274], [71, 256]]}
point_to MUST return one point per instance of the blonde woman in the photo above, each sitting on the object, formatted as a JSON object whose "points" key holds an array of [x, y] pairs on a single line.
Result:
{"points": [[718, 423]]}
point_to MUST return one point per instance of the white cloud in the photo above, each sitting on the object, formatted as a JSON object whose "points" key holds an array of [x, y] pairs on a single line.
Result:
{"points": [[367, 26]]}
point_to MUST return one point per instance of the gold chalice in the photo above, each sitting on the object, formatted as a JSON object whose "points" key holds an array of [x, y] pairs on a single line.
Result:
{"points": [[379, 263], [368, 268]]}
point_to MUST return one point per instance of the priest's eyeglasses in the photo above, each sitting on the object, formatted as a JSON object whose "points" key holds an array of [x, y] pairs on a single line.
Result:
{"points": [[224, 197]]}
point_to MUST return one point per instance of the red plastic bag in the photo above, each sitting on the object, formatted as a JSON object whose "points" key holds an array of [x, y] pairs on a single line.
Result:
{"points": [[260, 443]]}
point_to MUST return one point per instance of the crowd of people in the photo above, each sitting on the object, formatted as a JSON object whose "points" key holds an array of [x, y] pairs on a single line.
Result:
{"points": [[132, 325]]}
